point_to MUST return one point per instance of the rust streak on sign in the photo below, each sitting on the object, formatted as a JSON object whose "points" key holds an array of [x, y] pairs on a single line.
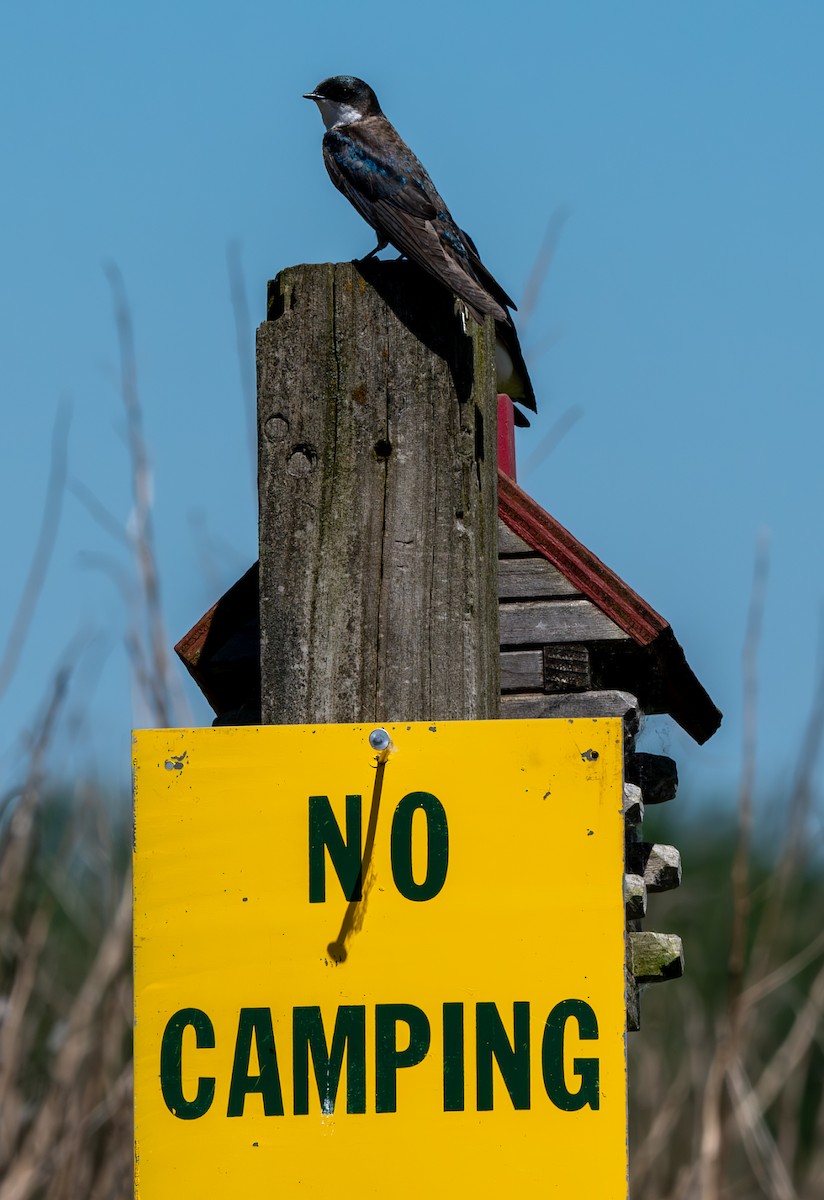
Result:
{"points": [[356, 909]]}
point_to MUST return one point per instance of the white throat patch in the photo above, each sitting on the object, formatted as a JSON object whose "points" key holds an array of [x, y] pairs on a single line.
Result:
{"points": [[335, 113]]}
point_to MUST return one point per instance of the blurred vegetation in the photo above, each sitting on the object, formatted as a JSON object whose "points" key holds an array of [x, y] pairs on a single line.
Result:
{"points": [[66, 996], [771, 1110], [65, 1034]]}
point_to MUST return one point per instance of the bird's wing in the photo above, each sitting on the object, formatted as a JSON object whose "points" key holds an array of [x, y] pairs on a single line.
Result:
{"points": [[487, 279], [513, 376], [388, 186], [365, 170], [429, 244]]}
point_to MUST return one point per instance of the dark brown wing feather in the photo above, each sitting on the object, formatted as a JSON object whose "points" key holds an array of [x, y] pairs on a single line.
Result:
{"points": [[418, 239], [487, 279]]}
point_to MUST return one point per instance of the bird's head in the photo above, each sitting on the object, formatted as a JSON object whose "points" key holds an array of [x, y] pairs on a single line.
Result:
{"points": [[343, 99]]}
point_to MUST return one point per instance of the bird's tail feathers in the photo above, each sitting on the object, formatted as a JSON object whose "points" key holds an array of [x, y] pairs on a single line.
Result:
{"points": [[513, 376], [485, 277]]}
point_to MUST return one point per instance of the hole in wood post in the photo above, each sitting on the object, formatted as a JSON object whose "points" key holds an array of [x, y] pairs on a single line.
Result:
{"points": [[276, 300], [276, 427], [302, 461], [383, 449]]}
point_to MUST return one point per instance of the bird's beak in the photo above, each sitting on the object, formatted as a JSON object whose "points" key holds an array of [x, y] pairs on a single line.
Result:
{"points": [[311, 96]]}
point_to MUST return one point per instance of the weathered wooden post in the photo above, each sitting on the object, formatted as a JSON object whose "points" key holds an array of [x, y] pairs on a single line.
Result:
{"points": [[378, 500]]}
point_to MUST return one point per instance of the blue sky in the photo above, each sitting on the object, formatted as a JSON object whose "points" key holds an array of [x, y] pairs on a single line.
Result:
{"points": [[681, 317]]}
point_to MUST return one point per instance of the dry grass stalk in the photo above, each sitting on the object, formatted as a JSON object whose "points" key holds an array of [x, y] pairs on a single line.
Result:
{"points": [[42, 551], [62, 1048], [162, 685]]}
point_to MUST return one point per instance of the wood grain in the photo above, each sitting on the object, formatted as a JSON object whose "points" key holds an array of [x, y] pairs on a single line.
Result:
{"points": [[578, 704], [531, 577], [509, 542], [539, 621], [522, 671], [378, 506]]}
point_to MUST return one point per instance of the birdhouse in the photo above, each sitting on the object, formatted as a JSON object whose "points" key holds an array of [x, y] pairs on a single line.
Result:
{"points": [[572, 632], [570, 627]]}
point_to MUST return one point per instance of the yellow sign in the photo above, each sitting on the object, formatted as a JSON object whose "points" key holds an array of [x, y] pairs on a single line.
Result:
{"points": [[380, 971]]}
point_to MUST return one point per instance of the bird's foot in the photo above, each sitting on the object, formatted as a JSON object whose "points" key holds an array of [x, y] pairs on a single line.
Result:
{"points": [[382, 244]]}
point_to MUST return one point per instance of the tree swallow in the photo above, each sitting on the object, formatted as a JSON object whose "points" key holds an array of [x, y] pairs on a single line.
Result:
{"points": [[371, 164]]}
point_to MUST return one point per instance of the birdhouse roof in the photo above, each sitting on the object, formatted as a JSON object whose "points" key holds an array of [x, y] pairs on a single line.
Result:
{"points": [[661, 674]]}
